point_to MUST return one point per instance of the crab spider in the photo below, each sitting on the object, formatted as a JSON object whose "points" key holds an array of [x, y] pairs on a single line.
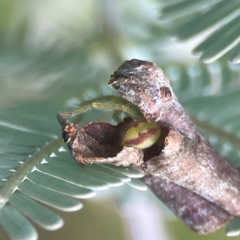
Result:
{"points": [[139, 134]]}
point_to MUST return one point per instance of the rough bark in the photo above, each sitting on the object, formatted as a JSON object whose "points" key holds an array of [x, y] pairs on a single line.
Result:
{"points": [[188, 159], [186, 173]]}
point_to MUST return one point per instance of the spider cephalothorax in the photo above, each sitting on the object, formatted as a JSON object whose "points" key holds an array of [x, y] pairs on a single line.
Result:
{"points": [[139, 133]]}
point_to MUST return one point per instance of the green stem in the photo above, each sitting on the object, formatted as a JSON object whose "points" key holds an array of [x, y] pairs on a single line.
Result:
{"points": [[19, 176]]}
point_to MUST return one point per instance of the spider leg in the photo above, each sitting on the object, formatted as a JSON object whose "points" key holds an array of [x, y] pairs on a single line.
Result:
{"points": [[107, 102]]}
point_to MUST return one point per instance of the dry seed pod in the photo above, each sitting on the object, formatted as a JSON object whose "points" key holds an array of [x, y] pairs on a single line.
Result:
{"points": [[187, 159], [185, 172]]}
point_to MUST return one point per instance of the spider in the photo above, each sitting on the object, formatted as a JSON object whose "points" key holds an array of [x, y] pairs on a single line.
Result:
{"points": [[140, 133]]}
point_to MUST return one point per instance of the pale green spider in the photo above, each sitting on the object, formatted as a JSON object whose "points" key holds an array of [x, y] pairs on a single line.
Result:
{"points": [[140, 134]]}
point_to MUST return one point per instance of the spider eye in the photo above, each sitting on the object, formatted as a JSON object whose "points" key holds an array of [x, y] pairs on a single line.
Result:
{"points": [[141, 134]]}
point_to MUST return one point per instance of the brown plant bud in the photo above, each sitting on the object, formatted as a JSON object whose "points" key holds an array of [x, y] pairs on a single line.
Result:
{"points": [[181, 167]]}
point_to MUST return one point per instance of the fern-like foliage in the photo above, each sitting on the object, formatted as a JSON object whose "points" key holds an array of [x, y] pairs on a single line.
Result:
{"points": [[221, 20], [35, 167]]}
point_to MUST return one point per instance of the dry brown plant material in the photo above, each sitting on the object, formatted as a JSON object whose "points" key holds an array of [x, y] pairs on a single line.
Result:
{"points": [[182, 168]]}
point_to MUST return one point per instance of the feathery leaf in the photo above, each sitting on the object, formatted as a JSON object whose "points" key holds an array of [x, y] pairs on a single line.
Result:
{"points": [[220, 18]]}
